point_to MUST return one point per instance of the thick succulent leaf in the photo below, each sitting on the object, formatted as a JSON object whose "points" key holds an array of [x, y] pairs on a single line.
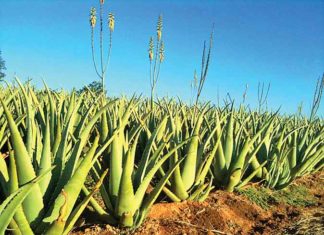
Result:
{"points": [[73, 187], [77, 211], [148, 202], [25, 169], [46, 160], [126, 191], [9, 207], [139, 195], [19, 216]]}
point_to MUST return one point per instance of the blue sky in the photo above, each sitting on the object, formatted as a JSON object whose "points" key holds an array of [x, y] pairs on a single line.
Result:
{"points": [[281, 42]]}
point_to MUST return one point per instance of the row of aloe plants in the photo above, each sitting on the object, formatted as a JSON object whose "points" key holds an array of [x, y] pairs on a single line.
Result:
{"points": [[51, 143]]}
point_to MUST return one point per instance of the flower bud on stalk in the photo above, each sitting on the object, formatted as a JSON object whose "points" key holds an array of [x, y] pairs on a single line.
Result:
{"points": [[111, 22], [93, 17], [159, 28], [161, 52], [151, 46]]}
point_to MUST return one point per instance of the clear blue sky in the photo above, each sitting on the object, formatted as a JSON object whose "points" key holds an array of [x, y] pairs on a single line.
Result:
{"points": [[281, 42]]}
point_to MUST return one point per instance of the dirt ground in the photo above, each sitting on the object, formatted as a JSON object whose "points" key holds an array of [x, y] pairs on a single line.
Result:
{"points": [[232, 213]]}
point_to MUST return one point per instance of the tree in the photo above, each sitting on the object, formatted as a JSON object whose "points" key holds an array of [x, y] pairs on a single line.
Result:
{"points": [[2, 67], [95, 87]]}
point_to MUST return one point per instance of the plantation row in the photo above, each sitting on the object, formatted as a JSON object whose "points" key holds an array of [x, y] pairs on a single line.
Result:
{"points": [[51, 143]]}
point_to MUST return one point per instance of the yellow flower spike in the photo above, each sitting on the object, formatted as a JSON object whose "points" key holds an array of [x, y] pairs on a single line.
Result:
{"points": [[93, 17], [150, 55], [159, 28], [151, 47], [161, 52], [111, 22]]}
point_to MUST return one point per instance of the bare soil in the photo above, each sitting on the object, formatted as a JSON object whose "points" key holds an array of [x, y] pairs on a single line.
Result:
{"points": [[231, 213]]}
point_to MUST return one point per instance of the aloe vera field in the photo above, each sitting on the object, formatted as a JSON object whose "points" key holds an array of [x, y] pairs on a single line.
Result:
{"points": [[85, 161]]}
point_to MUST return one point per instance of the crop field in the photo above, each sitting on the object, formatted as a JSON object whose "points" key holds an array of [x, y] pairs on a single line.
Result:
{"points": [[84, 162], [133, 153]]}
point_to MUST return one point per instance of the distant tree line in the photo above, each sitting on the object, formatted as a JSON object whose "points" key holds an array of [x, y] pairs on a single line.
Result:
{"points": [[2, 67], [95, 87]]}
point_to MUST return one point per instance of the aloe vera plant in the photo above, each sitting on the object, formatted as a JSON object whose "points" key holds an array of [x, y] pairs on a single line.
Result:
{"points": [[124, 195], [135, 152], [296, 153], [11, 210], [32, 153], [188, 181], [236, 162]]}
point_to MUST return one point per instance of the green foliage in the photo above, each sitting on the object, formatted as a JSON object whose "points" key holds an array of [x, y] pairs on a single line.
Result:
{"points": [[263, 197], [2, 67], [94, 87], [52, 142], [294, 195], [179, 150], [41, 132]]}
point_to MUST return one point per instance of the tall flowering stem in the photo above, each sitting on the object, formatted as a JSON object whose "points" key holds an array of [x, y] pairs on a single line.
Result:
{"points": [[111, 26], [157, 59], [101, 70], [193, 86], [205, 62], [93, 20]]}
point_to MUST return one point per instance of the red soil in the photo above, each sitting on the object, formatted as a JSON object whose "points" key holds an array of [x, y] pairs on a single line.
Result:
{"points": [[231, 213]]}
